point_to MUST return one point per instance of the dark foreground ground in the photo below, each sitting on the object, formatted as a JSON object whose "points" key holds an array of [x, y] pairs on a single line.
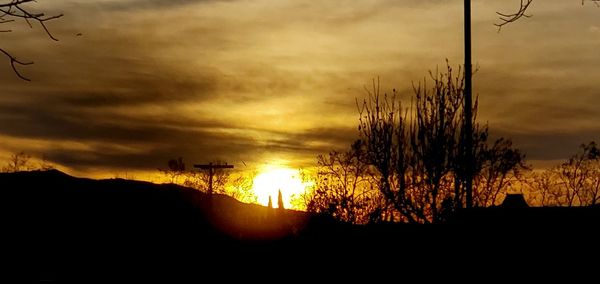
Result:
{"points": [[56, 227]]}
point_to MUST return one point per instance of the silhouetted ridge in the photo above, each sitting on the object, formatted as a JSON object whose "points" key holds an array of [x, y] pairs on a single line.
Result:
{"points": [[53, 197], [76, 226]]}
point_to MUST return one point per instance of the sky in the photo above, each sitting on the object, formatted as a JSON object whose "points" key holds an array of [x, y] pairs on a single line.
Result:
{"points": [[267, 82]]}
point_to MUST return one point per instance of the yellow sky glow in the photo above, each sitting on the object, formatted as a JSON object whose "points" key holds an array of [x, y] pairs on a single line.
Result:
{"points": [[148, 81], [272, 179]]}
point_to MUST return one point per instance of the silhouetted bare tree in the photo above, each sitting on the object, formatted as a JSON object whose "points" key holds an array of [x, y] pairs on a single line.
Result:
{"points": [[345, 187], [469, 144], [501, 168], [22, 161], [18, 162], [540, 186], [241, 187], [418, 151], [435, 139], [414, 149], [576, 182], [45, 165], [14, 10], [175, 169], [383, 128]]}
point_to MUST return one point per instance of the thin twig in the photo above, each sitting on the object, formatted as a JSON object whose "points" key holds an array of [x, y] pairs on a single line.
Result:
{"points": [[513, 17], [11, 10], [13, 61], [510, 18]]}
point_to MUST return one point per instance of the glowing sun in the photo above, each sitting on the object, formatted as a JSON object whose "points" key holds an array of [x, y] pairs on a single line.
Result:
{"points": [[270, 181]]}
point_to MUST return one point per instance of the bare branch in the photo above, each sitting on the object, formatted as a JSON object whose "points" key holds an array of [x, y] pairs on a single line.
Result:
{"points": [[513, 17], [509, 18], [37, 17], [11, 10], [14, 61], [596, 2], [15, 2]]}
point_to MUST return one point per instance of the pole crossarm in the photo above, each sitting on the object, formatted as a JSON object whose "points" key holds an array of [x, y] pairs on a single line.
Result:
{"points": [[211, 172], [211, 166]]}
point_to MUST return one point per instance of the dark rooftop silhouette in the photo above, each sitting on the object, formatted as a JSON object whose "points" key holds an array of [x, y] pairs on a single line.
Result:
{"points": [[514, 200]]}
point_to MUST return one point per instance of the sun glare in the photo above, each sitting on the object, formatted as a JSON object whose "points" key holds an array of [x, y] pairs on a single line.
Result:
{"points": [[270, 181]]}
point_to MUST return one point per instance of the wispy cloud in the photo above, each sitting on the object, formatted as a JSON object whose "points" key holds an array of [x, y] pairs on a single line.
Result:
{"points": [[129, 5], [255, 80]]}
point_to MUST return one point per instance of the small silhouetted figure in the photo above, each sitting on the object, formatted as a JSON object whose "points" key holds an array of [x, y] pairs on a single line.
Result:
{"points": [[270, 203], [280, 200]]}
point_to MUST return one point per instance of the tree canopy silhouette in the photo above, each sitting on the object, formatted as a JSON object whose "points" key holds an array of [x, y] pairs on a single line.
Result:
{"points": [[175, 169], [17, 162], [345, 187], [21, 161], [468, 148], [414, 155], [575, 182]]}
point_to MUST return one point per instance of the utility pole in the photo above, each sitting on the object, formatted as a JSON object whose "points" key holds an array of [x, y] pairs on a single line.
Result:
{"points": [[211, 172], [468, 107]]}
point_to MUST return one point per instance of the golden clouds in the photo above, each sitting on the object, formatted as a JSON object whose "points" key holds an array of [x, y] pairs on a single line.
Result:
{"points": [[150, 80]]}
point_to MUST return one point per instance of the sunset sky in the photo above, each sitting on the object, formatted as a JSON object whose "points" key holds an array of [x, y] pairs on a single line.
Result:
{"points": [[275, 82]]}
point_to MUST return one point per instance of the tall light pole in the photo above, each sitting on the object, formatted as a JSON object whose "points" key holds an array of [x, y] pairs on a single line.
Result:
{"points": [[468, 107]]}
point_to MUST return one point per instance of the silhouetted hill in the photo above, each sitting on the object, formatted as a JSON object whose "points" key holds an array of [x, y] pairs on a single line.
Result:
{"points": [[76, 226], [52, 199], [60, 227]]}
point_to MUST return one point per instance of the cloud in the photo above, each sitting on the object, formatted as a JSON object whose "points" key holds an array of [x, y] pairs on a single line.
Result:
{"points": [[548, 145], [128, 5], [259, 80]]}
